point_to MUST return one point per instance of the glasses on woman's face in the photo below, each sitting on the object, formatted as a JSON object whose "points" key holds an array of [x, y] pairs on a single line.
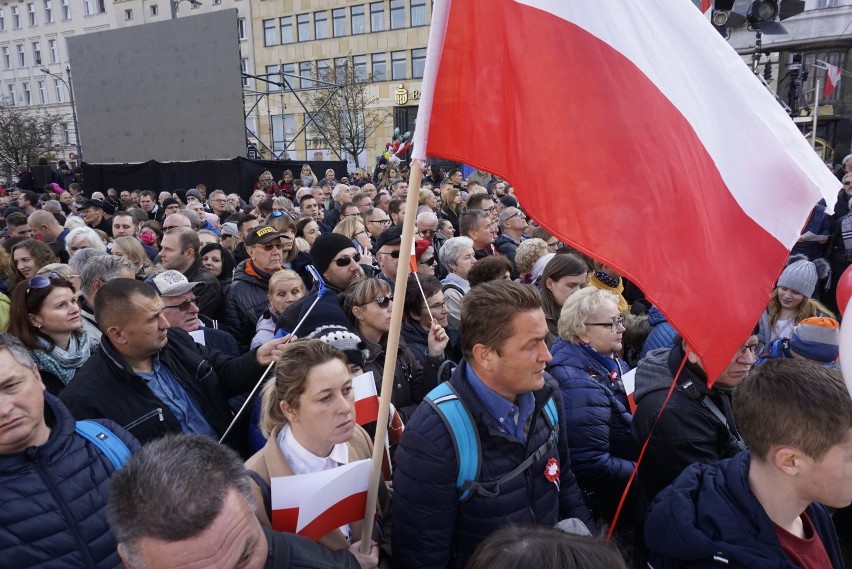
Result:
{"points": [[41, 281], [357, 233], [429, 261], [382, 301], [346, 260], [613, 325], [438, 305]]}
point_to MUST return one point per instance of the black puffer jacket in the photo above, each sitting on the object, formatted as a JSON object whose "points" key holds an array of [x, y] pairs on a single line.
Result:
{"points": [[245, 302], [431, 527], [107, 387], [54, 499], [209, 298]]}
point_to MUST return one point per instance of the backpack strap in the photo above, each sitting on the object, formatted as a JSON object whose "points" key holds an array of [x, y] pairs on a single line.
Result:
{"points": [[105, 440], [453, 286], [445, 401], [265, 491]]}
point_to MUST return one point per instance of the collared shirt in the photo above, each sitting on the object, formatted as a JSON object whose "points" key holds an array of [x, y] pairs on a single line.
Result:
{"points": [[512, 418], [180, 403]]}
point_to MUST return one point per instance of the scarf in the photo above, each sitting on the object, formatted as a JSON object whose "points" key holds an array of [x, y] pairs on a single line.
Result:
{"points": [[63, 363], [846, 233], [609, 362], [606, 279]]}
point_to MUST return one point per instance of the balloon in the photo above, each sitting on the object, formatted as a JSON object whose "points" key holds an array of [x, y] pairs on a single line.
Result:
{"points": [[403, 148], [396, 131], [395, 146], [387, 145], [387, 154], [407, 135], [844, 289], [846, 345]]}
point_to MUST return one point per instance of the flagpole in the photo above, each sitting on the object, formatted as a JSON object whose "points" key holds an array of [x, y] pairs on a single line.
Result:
{"points": [[816, 112], [402, 271]]}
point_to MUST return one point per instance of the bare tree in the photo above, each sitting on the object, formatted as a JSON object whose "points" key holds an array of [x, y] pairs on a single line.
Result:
{"points": [[346, 115], [25, 135]]}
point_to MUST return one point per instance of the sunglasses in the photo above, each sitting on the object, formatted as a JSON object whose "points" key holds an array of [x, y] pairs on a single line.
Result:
{"points": [[345, 260], [41, 281], [271, 246], [429, 261], [393, 254], [183, 306], [382, 301]]}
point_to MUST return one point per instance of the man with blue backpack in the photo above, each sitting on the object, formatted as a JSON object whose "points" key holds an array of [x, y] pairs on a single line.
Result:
{"points": [[54, 473], [487, 448]]}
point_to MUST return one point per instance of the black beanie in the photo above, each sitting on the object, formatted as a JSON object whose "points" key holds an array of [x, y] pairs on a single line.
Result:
{"points": [[326, 247]]}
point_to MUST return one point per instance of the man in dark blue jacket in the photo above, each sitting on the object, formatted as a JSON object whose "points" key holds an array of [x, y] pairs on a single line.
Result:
{"points": [[53, 482], [765, 507], [503, 386]]}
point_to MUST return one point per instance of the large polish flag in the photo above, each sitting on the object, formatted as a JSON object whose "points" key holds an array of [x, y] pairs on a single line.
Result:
{"points": [[634, 132]]}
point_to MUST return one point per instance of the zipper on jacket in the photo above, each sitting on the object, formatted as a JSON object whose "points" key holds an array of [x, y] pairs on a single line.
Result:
{"points": [[145, 417], [66, 512]]}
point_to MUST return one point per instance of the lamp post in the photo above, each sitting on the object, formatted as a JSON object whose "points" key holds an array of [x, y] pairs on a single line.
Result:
{"points": [[174, 6], [69, 85]]}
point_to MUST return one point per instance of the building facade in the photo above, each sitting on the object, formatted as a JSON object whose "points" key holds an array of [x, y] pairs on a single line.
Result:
{"points": [[299, 40]]}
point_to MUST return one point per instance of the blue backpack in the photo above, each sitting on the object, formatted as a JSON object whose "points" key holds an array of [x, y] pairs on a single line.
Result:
{"points": [[108, 443], [445, 401]]}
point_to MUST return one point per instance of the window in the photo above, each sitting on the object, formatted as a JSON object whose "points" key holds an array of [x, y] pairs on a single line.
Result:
{"points": [[303, 27], [357, 19], [377, 17], [66, 9], [65, 134], [826, 4], [397, 14], [273, 74], [305, 72], [154, 10], [48, 11], [418, 62], [380, 67], [244, 70], [128, 14], [217, 2], [31, 14], [54, 51], [283, 129], [321, 25], [13, 95], [241, 28], [22, 56], [286, 24], [94, 6], [291, 69], [2, 20], [418, 13], [397, 65], [28, 96], [16, 17], [268, 32], [7, 59], [42, 92], [340, 64], [359, 66], [60, 94], [324, 69], [37, 52], [338, 20], [89, 6]]}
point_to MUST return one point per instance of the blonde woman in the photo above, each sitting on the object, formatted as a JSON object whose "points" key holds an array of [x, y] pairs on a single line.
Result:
{"points": [[131, 249], [285, 288]]}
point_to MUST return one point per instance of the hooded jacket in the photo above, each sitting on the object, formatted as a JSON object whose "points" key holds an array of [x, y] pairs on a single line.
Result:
{"points": [[245, 302], [688, 431], [662, 334], [54, 499], [709, 517]]}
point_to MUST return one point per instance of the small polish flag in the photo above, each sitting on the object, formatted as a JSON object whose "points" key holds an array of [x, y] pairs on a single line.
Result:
{"points": [[833, 74], [629, 381], [366, 399], [313, 505]]}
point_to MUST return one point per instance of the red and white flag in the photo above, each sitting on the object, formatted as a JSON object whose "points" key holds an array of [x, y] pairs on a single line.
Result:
{"points": [[833, 75], [676, 166], [366, 399], [314, 504]]}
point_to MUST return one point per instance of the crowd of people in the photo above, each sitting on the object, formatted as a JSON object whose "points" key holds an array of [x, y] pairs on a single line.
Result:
{"points": [[528, 381]]}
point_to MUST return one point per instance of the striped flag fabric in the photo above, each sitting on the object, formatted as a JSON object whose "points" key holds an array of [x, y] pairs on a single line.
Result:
{"points": [[833, 75], [366, 399], [636, 134]]}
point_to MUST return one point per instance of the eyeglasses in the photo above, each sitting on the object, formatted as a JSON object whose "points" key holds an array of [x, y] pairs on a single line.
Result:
{"points": [[383, 222], [41, 281], [425, 232], [438, 305], [393, 254], [516, 214], [183, 306], [755, 349], [429, 261], [613, 325], [345, 260], [382, 301], [357, 233]]}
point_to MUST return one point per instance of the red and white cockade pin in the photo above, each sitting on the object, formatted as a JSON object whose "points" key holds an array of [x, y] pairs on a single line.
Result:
{"points": [[551, 472]]}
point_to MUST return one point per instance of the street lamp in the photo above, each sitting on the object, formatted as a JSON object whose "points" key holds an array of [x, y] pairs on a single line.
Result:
{"points": [[69, 85], [174, 4]]}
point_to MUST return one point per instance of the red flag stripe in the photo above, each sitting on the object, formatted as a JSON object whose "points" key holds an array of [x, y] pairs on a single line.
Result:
{"points": [[348, 510], [367, 410]]}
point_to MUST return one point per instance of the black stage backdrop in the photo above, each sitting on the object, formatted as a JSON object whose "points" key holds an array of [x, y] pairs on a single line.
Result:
{"points": [[237, 175]]}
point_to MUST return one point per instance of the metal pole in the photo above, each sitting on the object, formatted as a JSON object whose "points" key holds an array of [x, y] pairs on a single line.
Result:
{"points": [[816, 112], [70, 86]]}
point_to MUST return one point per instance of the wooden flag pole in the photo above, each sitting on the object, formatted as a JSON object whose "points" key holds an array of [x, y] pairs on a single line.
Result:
{"points": [[392, 348]]}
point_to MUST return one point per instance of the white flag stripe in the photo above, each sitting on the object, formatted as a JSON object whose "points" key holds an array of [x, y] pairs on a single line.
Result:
{"points": [[721, 99], [350, 479], [364, 386], [437, 32]]}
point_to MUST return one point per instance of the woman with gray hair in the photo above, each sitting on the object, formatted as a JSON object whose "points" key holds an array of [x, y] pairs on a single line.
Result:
{"points": [[587, 367], [84, 238], [458, 257]]}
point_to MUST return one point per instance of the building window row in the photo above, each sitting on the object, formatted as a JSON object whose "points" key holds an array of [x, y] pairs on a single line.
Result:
{"points": [[21, 54], [34, 93], [344, 22], [13, 17]]}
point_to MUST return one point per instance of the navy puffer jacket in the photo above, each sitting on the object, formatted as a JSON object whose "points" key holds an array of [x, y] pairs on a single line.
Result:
{"points": [[602, 447], [431, 527], [54, 499]]}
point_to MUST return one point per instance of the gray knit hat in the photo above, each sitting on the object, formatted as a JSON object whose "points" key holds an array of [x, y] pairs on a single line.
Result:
{"points": [[801, 276]]}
